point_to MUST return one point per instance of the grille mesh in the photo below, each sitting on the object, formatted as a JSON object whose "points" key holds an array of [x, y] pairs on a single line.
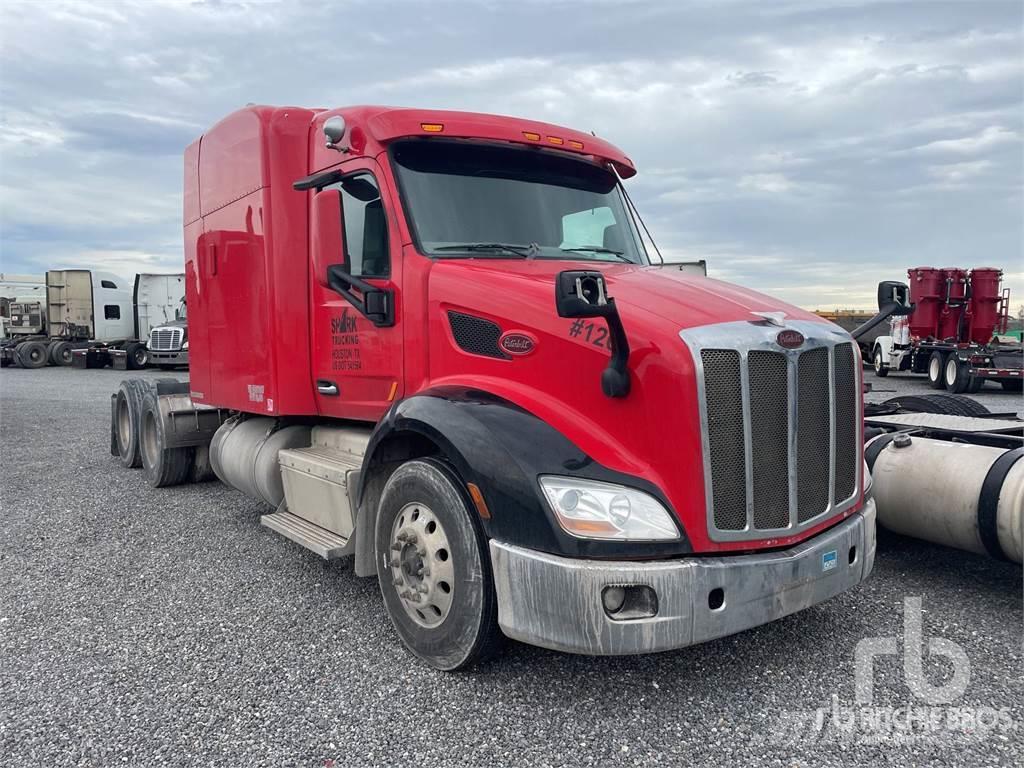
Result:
{"points": [[476, 335], [769, 432], [846, 422], [165, 339], [813, 434], [725, 437]]}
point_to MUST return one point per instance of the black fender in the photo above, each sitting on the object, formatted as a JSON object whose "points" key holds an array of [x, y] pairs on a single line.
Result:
{"points": [[502, 449]]}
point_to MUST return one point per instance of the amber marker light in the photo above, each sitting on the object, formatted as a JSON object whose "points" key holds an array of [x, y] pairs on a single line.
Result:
{"points": [[432, 127]]}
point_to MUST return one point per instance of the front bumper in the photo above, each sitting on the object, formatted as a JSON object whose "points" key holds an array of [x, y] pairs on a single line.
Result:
{"points": [[179, 357], [555, 602]]}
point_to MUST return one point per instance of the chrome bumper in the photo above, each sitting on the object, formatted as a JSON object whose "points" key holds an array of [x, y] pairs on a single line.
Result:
{"points": [[179, 357], [555, 602]]}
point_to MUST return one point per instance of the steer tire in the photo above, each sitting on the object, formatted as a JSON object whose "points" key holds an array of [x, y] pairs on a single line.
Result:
{"points": [[950, 405], [127, 419], [162, 466], [138, 356], [957, 375], [426, 497], [881, 369], [33, 354]]}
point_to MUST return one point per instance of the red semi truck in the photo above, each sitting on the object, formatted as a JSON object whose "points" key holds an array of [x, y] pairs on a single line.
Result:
{"points": [[436, 341]]}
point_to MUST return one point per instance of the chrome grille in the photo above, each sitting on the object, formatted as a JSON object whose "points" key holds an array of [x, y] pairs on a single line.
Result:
{"points": [[769, 408], [165, 339], [725, 434], [813, 438], [781, 427]]}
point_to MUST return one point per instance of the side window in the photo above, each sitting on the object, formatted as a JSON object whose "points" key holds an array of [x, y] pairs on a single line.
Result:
{"points": [[366, 227], [594, 226], [107, 284], [111, 312]]}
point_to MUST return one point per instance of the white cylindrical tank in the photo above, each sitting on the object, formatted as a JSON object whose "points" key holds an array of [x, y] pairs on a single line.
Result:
{"points": [[243, 453], [932, 490]]}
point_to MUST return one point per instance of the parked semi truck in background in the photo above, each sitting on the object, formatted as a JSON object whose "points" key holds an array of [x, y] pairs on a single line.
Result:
{"points": [[167, 345], [436, 341], [96, 315], [953, 333]]}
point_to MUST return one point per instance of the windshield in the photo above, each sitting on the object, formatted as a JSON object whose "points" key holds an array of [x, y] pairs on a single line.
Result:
{"points": [[181, 313], [489, 201]]}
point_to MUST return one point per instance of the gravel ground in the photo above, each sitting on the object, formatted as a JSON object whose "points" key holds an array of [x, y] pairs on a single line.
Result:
{"points": [[153, 627]]}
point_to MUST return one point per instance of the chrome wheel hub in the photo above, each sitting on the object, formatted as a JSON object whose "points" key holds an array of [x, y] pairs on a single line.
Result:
{"points": [[421, 566]]}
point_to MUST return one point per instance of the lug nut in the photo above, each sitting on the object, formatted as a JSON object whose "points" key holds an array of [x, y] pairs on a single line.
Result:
{"points": [[396, 547]]}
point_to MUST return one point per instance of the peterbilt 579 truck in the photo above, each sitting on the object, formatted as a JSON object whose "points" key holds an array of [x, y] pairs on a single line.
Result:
{"points": [[436, 341]]}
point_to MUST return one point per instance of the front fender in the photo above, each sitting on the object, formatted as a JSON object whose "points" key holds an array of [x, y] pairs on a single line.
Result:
{"points": [[503, 449]]}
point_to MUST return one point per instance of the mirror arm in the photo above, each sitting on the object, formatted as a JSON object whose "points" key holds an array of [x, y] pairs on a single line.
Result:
{"points": [[341, 282]]}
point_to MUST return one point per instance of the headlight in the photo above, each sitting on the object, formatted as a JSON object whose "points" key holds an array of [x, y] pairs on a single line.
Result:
{"points": [[185, 345], [593, 510]]}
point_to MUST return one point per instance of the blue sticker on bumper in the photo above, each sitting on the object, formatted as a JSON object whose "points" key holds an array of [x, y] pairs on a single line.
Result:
{"points": [[829, 560]]}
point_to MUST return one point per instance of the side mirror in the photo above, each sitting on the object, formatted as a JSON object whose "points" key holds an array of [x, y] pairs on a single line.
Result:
{"points": [[895, 295], [328, 234], [585, 294]]}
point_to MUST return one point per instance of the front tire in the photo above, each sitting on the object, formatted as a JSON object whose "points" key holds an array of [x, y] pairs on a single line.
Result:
{"points": [[881, 369], [936, 370], [434, 569]]}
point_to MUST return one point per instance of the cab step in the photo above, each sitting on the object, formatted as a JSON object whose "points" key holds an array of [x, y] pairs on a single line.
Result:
{"points": [[304, 533]]}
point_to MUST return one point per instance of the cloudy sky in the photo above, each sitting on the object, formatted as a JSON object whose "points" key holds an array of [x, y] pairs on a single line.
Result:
{"points": [[808, 149]]}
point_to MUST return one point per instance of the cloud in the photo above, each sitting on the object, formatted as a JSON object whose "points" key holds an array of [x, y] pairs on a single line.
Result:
{"points": [[802, 147]]}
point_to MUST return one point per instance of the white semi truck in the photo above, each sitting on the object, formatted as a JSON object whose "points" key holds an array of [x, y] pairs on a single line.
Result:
{"points": [[93, 317]]}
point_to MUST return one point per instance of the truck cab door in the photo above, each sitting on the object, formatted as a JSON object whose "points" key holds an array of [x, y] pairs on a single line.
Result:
{"points": [[356, 285]]}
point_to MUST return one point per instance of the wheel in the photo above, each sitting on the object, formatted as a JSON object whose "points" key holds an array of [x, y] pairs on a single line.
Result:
{"points": [[977, 382], [936, 366], [881, 369], [138, 355], [956, 375], [952, 405], [60, 353], [434, 569], [1012, 385], [127, 417], [32, 354], [49, 351], [163, 466]]}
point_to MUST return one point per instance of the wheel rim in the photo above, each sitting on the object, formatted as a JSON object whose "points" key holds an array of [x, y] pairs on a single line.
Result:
{"points": [[149, 446], [422, 572], [878, 361], [934, 370], [140, 357], [951, 371]]}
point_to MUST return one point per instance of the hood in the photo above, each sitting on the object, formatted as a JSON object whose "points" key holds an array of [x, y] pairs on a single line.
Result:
{"points": [[686, 300], [171, 324]]}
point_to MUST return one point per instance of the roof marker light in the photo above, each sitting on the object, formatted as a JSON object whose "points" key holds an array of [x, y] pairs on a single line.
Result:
{"points": [[531, 135], [556, 140], [575, 144], [432, 127]]}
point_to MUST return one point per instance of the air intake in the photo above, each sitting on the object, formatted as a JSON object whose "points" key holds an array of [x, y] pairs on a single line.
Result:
{"points": [[475, 335]]}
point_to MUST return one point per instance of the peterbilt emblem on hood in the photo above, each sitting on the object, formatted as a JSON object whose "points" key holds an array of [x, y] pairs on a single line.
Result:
{"points": [[789, 338], [517, 343]]}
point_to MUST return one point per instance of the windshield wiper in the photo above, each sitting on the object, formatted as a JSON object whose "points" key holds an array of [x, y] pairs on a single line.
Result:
{"points": [[518, 250], [599, 249]]}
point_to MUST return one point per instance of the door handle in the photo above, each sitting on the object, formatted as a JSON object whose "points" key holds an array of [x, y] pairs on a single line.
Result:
{"points": [[325, 387]]}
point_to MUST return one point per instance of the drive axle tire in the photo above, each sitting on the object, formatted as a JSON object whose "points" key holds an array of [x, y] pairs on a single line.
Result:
{"points": [[163, 466], [33, 354], [60, 353], [881, 369], [434, 568], [127, 417], [956, 374], [936, 370]]}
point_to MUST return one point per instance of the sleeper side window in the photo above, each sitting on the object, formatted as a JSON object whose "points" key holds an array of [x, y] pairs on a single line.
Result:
{"points": [[366, 227]]}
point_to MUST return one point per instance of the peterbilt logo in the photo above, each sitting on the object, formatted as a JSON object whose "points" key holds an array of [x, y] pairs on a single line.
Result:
{"points": [[789, 338], [517, 343]]}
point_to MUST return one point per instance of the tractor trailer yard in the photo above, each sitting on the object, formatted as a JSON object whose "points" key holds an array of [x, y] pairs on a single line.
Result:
{"points": [[147, 626]]}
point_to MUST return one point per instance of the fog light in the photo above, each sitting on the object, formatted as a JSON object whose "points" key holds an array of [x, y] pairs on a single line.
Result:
{"points": [[613, 598]]}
